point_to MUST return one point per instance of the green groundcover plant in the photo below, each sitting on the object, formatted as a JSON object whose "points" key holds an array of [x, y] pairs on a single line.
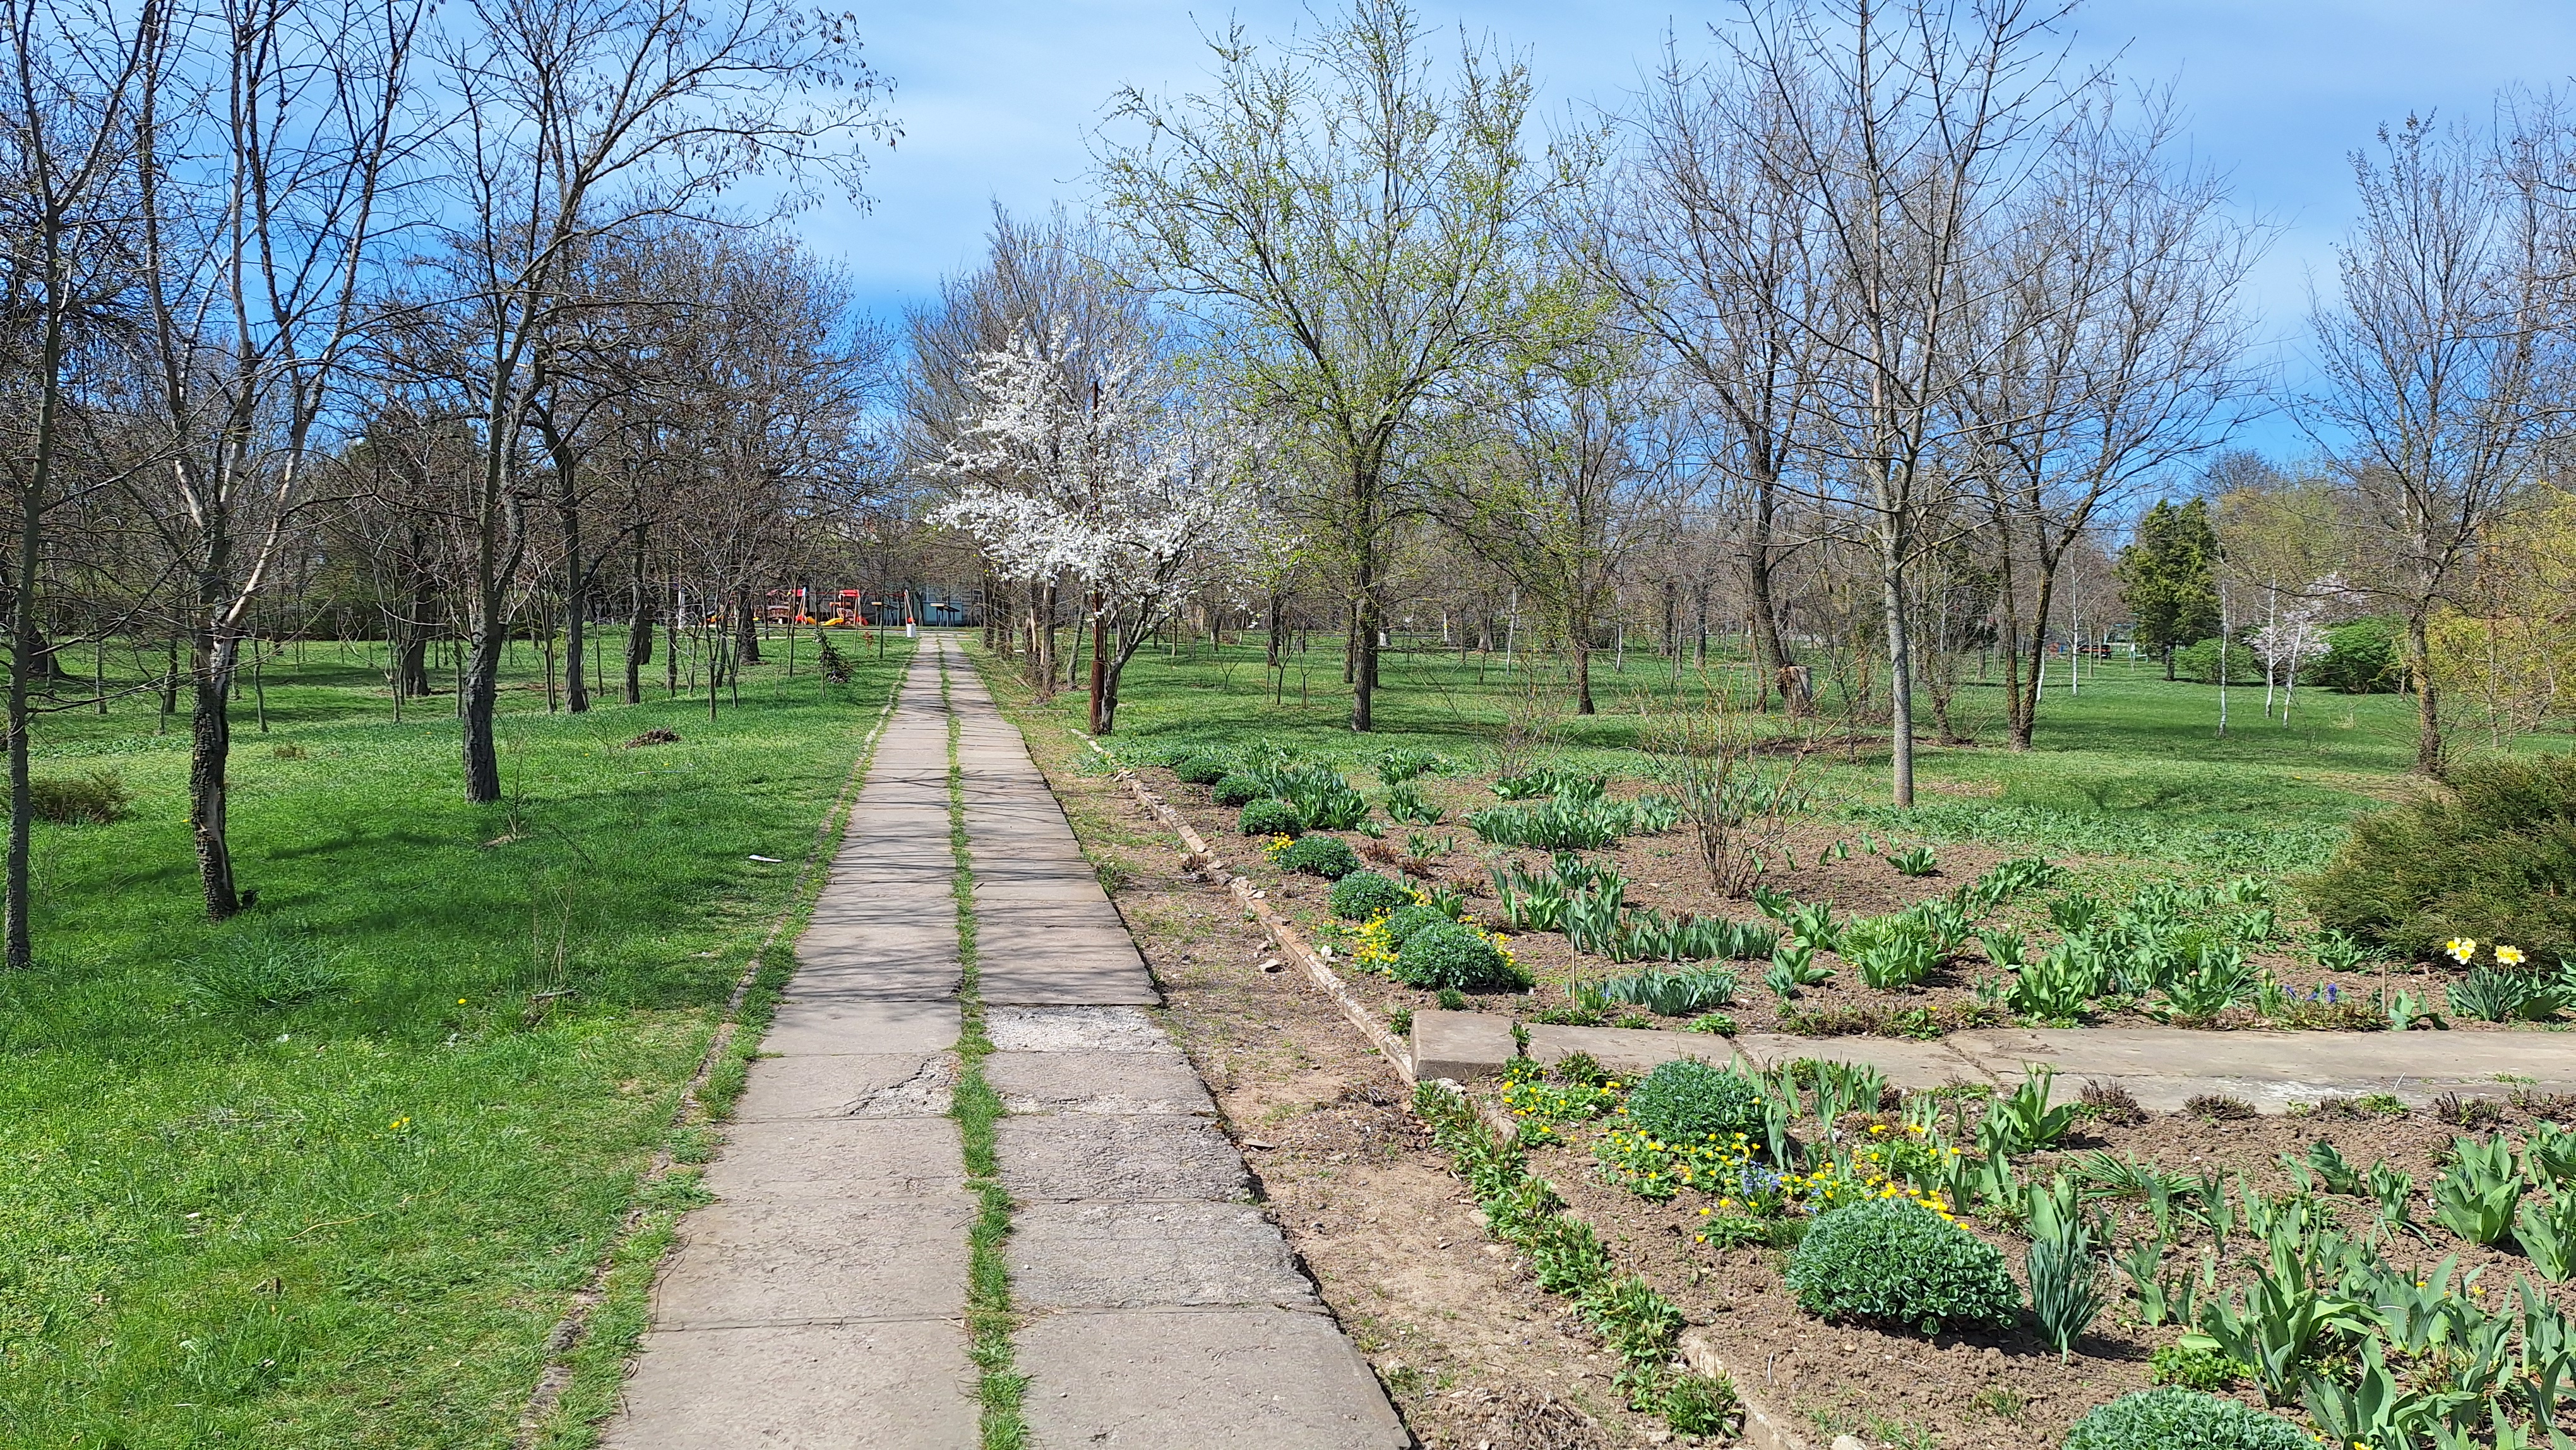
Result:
{"points": [[1686, 1100], [2489, 862], [1330, 857], [1892, 1261], [1271, 818], [1364, 894], [1451, 954], [2180, 1419]]}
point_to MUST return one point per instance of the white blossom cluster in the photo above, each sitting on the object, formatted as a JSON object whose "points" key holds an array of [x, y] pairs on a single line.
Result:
{"points": [[1104, 478]]}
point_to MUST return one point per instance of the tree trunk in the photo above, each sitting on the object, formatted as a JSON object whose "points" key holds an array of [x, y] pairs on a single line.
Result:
{"points": [[210, 730], [2430, 757], [1099, 666], [576, 575], [746, 643], [1582, 672], [1364, 623], [1900, 683], [2025, 710], [1771, 651]]}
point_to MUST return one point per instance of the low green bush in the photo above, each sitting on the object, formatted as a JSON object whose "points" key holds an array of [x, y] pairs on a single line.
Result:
{"points": [[1236, 790], [1204, 769], [1404, 921], [2199, 663], [1271, 818], [96, 799], [2489, 863], [2361, 659], [1687, 1100], [1893, 1262], [1364, 894], [1330, 857], [1449, 954], [2180, 1419]]}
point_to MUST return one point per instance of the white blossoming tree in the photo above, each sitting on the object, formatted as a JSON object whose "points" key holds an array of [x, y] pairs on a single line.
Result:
{"points": [[1117, 480]]}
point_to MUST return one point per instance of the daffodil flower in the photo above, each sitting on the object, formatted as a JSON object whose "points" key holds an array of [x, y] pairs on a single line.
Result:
{"points": [[2508, 956], [2461, 948]]}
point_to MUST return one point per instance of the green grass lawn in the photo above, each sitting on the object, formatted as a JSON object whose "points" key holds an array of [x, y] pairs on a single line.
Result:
{"points": [[352, 1220], [2131, 766]]}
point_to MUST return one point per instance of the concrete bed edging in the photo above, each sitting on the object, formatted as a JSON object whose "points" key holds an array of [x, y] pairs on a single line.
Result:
{"points": [[1761, 1429]]}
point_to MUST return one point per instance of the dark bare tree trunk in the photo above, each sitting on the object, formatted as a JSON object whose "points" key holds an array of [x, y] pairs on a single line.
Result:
{"points": [[210, 730]]}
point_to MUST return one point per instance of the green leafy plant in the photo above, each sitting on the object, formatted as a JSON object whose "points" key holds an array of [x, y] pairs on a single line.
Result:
{"points": [[1893, 1262], [2546, 1229], [2025, 1121], [1330, 857], [1793, 967], [1891, 952], [1671, 994], [2004, 946], [1204, 769], [1405, 920], [1237, 790], [2193, 1367], [2054, 988], [1365, 894], [1686, 1100], [2173, 1418], [2476, 1192], [1271, 818], [2217, 980], [2066, 1289], [1404, 762], [1407, 806], [1449, 954], [1915, 861]]}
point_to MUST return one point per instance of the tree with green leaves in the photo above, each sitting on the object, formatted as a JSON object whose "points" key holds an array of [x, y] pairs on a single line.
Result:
{"points": [[1347, 226], [2169, 578]]}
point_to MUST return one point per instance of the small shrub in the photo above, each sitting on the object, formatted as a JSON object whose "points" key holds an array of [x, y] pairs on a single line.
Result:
{"points": [[96, 799], [1204, 769], [2217, 1107], [1893, 1262], [1271, 818], [2180, 1419], [2360, 658], [1327, 856], [1452, 1000], [2113, 1103], [2199, 663], [1236, 790], [1447, 954], [1687, 1100], [1364, 894], [1399, 1020], [1404, 921], [2487, 863]]}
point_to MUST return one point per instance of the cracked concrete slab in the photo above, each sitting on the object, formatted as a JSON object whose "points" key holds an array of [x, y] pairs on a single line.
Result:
{"points": [[848, 1085], [1075, 1029], [1129, 1255], [1096, 1082], [1113, 1159], [1260, 1379], [1096, 983]]}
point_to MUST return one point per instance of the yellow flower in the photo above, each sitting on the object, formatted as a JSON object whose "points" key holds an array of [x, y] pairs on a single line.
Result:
{"points": [[2508, 956], [2461, 948]]}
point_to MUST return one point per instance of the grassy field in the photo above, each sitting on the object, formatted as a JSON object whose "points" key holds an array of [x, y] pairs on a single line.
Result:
{"points": [[2130, 766], [328, 1174]]}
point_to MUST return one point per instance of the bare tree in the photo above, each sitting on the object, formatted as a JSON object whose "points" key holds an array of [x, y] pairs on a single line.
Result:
{"points": [[1907, 126], [1348, 232], [578, 118], [2442, 364], [2113, 350], [1709, 249], [76, 88]]}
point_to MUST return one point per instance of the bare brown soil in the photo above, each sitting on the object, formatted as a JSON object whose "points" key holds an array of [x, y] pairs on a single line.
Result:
{"points": [[1664, 873]]}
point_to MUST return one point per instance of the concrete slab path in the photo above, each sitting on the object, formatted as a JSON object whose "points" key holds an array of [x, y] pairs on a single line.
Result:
{"points": [[2162, 1067], [820, 1302]]}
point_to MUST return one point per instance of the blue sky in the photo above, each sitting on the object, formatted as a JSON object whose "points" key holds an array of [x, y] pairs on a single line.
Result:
{"points": [[997, 101]]}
